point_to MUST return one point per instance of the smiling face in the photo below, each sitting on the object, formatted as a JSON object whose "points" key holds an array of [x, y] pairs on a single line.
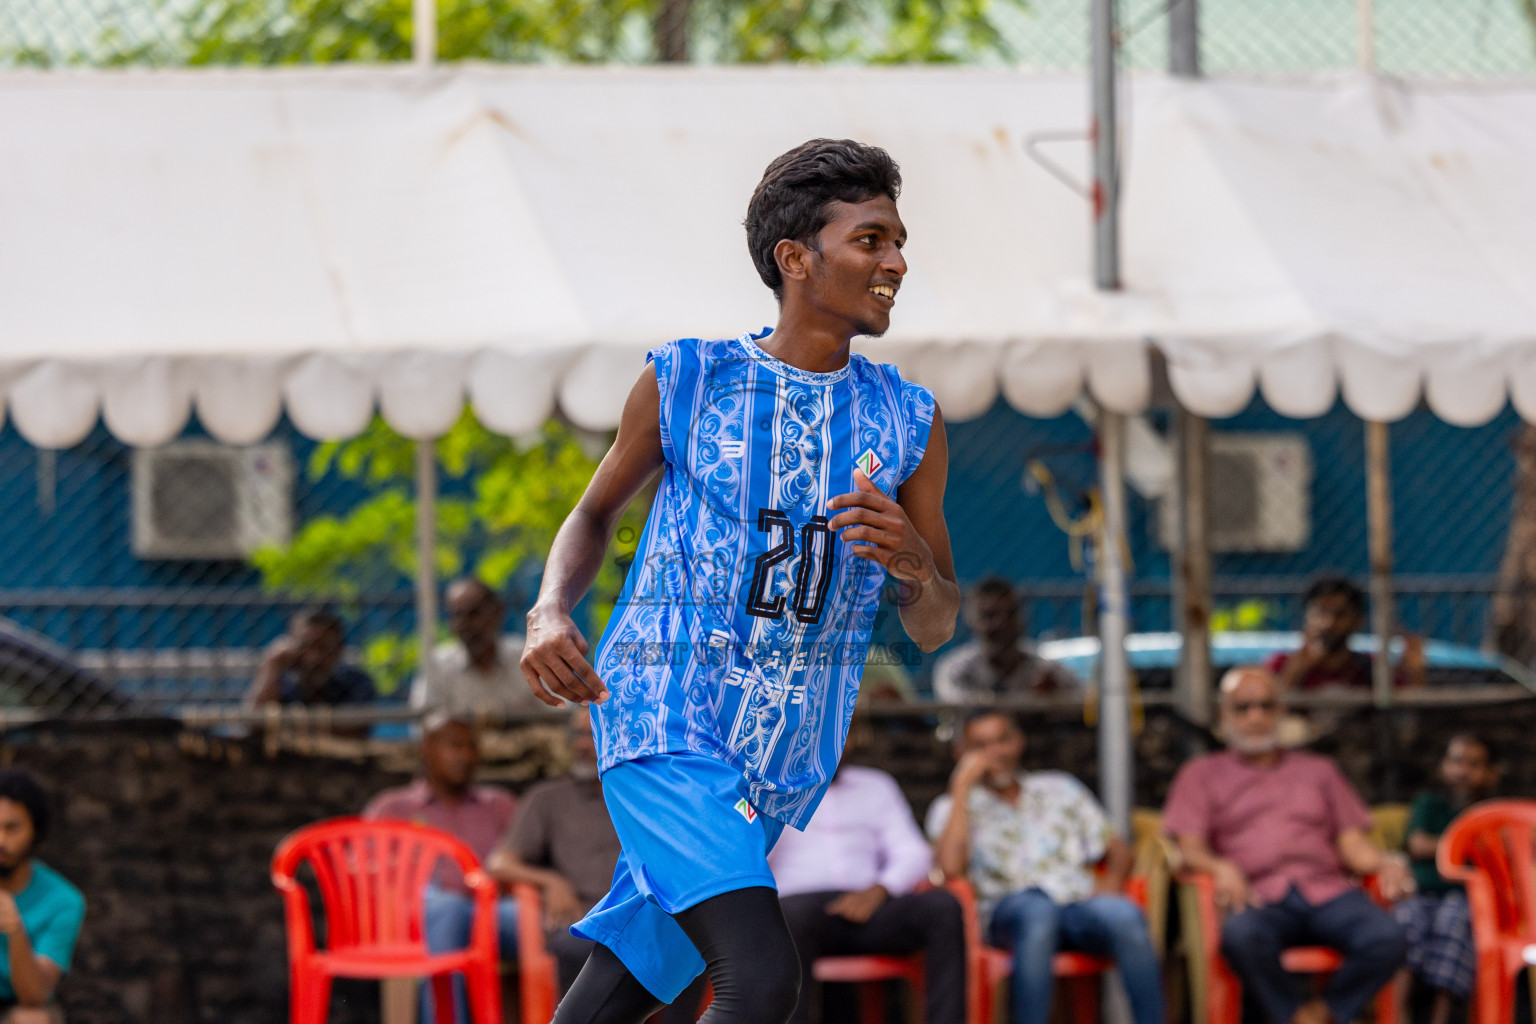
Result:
{"points": [[853, 273]]}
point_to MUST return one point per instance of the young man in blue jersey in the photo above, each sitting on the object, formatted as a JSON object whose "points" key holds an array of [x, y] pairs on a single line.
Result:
{"points": [[795, 476]]}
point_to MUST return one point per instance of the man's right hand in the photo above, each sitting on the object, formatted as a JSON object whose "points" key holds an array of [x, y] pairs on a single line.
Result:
{"points": [[283, 652], [561, 906], [555, 662], [1232, 893], [10, 916], [969, 772]]}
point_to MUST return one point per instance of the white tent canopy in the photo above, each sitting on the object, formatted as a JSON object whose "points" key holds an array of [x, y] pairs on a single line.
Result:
{"points": [[345, 240]]}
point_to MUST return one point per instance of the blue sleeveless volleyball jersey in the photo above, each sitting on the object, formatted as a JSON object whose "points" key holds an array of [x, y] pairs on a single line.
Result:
{"points": [[742, 628]]}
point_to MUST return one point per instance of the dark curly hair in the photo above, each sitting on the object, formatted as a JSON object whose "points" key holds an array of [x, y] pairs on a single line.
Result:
{"points": [[1336, 586], [19, 786], [792, 199]]}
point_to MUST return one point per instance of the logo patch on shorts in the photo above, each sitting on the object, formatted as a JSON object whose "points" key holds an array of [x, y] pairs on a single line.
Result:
{"points": [[869, 463], [746, 810]]}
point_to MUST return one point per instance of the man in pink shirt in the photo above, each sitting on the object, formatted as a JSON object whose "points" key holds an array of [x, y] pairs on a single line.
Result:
{"points": [[1285, 837], [847, 885], [446, 798]]}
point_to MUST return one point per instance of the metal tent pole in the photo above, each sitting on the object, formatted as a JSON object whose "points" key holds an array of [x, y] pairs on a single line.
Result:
{"points": [[1192, 580], [1194, 567], [1114, 698], [1184, 38], [1365, 14], [1378, 500], [424, 33], [1378, 503], [426, 554]]}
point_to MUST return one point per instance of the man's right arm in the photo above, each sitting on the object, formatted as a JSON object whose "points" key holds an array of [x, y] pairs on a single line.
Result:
{"points": [[275, 660], [528, 841], [952, 848], [561, 904], [555, 655]]}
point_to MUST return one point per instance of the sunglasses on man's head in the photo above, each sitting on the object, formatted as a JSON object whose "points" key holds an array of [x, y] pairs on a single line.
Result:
{"points": [[1242, 707]]}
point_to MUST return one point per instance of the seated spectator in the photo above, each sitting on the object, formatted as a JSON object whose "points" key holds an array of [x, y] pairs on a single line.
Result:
{"points": [[476, 675], [1028, 842], [40, 912], [446, 798], [1335, 612], [1439, 927], [563, 843], [303, 666], [997, 664], [1284, 836], [847, 887]]}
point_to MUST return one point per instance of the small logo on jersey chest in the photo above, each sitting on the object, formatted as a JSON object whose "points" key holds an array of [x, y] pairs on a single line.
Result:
{"points": [[732, 449], [746, 810], [869, 462]]}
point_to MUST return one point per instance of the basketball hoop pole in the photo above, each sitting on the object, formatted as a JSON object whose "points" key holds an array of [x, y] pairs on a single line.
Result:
{"points": [[1114, 692]]}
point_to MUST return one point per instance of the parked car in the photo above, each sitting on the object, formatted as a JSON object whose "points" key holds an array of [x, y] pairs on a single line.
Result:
{"points": [[1155, 656]]}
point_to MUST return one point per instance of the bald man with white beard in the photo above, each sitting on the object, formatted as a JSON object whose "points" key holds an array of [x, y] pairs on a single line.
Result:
{"points": [[1285, 836]]}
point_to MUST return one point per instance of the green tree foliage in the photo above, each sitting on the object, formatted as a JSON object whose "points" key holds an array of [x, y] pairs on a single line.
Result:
{"points": [[266, 32], [503, 501]]}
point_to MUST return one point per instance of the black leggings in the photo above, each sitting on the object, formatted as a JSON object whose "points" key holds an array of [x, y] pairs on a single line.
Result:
{"points": [[748, 954]]}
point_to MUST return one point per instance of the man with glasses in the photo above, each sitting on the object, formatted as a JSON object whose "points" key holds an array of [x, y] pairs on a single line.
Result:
{"points": [[1284, 836]]}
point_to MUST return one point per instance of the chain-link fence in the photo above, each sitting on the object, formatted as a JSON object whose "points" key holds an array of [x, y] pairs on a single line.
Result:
{"points": [[1287, 506], [149, 581], [1423, 38]]}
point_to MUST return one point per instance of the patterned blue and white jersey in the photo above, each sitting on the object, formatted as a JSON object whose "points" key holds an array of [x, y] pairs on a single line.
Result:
{"points": [[743, 625]]}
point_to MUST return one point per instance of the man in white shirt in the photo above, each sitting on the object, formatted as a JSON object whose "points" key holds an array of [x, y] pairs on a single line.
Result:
{"points": [[476, 676], [997, 663], [1028, 842], [847, 888]]}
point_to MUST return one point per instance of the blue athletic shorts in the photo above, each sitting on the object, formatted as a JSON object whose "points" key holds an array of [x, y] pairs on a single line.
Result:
{"points": [[688, 832]]}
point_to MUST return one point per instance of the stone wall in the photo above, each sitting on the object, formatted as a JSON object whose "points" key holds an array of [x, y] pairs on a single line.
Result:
{"points": [[171, 841]]}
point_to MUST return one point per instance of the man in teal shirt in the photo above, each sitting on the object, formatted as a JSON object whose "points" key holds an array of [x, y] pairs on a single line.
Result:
{"points": [[40, 912]]}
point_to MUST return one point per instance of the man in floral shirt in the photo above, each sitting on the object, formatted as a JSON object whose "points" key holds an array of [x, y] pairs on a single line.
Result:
{"points": [[1028, 842]]}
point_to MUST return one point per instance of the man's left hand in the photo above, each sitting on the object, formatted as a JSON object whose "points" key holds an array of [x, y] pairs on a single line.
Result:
{"points": [[860, 906], [1395, 879], [10, 917], [878, 529]]}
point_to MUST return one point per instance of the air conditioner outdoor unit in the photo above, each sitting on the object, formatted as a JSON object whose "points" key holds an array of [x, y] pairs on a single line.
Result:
{"points": [[1260, 494], [204, 500]]}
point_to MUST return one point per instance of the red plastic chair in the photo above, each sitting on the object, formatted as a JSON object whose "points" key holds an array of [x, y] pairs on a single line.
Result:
{"points": [[538, 977], [1489, 848], [372, 876], [1079, 971], [871, 973], [1224, 997]]}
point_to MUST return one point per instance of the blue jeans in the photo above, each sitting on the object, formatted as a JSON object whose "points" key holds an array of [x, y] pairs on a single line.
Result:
{"points": [[448, 917], [1034, 926], [1372, 944]]}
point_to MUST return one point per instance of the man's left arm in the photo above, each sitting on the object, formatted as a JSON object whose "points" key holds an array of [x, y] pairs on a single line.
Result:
{"points": [[1361, 856], [1358, 853], [909, 538], [1119, 858]]}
